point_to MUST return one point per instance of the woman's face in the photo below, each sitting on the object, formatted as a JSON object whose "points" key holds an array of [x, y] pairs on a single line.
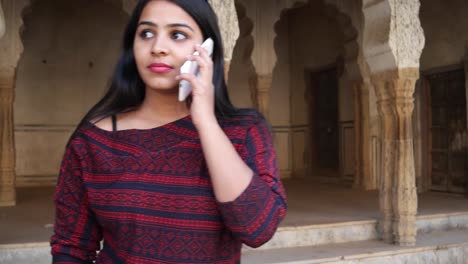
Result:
{"points": [[165, 35]]}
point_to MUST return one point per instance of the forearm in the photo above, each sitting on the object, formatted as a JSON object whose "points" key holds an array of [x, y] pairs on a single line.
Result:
{"points": [[230, 175]]}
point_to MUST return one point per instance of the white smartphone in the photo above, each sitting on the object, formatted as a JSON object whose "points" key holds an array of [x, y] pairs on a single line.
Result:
{"points": [[185, 88]]}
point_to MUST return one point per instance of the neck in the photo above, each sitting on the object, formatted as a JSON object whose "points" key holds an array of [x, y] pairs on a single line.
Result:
{"points": [[162, 106]]}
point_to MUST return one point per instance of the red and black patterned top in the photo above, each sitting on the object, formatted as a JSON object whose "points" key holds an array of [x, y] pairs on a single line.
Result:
{"points": [[147, 194]]}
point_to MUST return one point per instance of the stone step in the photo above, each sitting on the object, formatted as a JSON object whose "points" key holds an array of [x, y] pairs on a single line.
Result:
{"points": [[296, 238], [441, 247], [37, 253], [323, 234], [440, 222]]}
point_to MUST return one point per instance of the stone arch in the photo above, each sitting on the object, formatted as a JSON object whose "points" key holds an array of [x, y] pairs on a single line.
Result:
{"points": [[347, 56], [74, 72], [349, 28], [25, 7], [351, 37]]}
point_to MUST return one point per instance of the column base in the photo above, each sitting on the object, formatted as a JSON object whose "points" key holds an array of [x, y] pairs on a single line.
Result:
{"points": [[7, 196], [408, 243]]}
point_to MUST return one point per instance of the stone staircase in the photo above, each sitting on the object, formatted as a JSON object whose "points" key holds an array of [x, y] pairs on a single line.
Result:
{"points": [[442, 238]]}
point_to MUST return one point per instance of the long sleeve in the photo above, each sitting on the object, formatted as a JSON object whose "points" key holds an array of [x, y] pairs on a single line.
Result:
{"points": [[255, 215], [76, 235]]}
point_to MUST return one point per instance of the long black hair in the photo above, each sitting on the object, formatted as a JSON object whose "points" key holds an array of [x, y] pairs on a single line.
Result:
{"points": [[127, 89]]}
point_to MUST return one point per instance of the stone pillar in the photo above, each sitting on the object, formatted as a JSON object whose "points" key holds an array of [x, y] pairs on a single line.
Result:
{"points": [[393, 40], [263, 93], [11, 48], [362, 138], [2, 21], [398, 197], [263, 55], [369, 182], [358, 177], [7, 147], [229, 26], [387, 116]]}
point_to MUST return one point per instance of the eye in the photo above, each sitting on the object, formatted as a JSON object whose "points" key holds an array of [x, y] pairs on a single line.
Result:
{"points": [[146, 34], [179, 35]]}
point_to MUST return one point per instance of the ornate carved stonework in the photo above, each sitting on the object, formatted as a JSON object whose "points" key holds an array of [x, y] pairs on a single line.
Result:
{"points": [[398, 197], [228, 23], [392, 41]]}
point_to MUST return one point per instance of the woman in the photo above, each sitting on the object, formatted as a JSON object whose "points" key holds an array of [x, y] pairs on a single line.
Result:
{"points": [[163, 181]]}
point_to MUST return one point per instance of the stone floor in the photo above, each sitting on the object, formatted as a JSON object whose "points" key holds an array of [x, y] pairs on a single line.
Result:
{"points": [[309, 203]]}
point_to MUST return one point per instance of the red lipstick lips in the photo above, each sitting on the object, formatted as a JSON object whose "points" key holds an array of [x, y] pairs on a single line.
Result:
{"points": [[159, 67]]}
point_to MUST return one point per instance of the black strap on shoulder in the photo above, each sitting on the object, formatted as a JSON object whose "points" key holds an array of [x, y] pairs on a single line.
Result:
{"points": [[114, 123]]}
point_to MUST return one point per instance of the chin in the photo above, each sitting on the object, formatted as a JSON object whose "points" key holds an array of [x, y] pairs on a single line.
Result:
{"points": [[169, 88]]}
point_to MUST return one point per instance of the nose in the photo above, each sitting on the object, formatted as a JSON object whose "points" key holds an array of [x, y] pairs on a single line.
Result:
{"points": [[159, 47]]}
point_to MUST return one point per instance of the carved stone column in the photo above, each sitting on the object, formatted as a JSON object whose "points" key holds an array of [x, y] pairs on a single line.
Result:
{"points": [[10, 50], [387, 115], [2, 21], [358, 177], [7, 146], [362, 138], [405, 198], [393, 40], [229, 26], [398, 197], [369, 182], [264, 57], [263, 93]]}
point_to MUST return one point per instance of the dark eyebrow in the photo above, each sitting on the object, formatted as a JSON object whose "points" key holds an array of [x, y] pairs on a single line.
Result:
{"points": [[149, 23]]}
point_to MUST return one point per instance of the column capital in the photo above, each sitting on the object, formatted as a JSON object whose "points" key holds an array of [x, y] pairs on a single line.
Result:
{"points": [[391, 40], [395, 74], [396, 88]]}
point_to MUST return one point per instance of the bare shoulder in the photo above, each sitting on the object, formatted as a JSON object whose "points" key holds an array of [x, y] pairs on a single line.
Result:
{"points": [[105, 123]]}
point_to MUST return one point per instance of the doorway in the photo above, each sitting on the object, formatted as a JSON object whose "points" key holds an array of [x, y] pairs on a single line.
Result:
{"points": [[447, 128], [323, 120]]}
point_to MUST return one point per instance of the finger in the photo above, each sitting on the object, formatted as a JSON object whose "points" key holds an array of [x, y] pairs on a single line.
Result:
{"points": [[192, 79], [205, 71], [202, 63], [203, 53], [198, 85]]}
